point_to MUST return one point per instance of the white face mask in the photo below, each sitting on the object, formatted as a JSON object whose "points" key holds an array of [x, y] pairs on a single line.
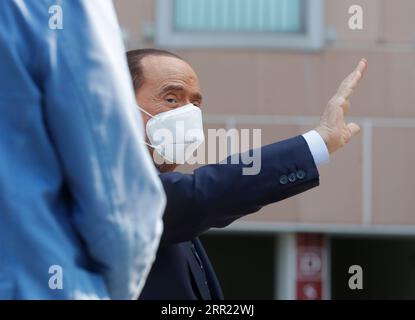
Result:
{"points": [[177, 133]]}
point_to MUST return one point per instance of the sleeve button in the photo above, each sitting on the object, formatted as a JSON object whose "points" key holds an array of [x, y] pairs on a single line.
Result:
{"points": [[301, 174], [284, 180], [292, 178]]}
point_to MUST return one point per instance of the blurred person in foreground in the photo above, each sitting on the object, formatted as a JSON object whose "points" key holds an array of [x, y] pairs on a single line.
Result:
{"points": [[170, 98], [74, 222]]}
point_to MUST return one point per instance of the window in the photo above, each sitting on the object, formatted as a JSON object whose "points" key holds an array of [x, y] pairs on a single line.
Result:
{"points": [[291, 24]]}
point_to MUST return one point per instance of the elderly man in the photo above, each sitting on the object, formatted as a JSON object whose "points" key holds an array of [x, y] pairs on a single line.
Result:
{"points": [[168, 91]]}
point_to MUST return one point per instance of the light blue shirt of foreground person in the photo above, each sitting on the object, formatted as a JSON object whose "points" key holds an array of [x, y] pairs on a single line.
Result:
{"points": [[80, 201]]}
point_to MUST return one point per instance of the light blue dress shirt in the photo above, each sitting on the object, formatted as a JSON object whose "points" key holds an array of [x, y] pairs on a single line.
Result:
{"points": [[80, 200]]}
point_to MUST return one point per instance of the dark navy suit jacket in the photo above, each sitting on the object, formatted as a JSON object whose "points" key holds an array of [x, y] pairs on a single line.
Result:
{"points": [[213, 197]]}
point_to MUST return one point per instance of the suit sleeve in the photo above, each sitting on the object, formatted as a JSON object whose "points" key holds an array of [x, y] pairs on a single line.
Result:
{"points": [[217, 195]]}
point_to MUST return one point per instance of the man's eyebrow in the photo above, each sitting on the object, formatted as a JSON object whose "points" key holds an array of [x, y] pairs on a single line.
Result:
{"points": [[172, 87], [197, 96], [178, 87]]}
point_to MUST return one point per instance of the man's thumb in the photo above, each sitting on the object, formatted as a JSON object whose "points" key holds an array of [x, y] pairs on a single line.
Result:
{"points": [[354, 129]]}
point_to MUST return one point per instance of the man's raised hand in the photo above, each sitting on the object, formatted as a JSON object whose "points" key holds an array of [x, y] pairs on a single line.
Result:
{"points": [[333, 128]]}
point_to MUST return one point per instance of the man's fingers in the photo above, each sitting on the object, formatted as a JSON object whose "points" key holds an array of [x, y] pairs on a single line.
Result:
{"points": [[358, 73], [354, 129], [362, 66], [350, 83], [346, 106], [339, 101]]}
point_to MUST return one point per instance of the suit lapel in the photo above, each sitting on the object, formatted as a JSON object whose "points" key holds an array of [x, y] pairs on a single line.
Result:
{"points": [[214, 285], [198, 275]]}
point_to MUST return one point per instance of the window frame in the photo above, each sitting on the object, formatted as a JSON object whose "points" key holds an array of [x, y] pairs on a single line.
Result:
{"points": [[311, 40]]}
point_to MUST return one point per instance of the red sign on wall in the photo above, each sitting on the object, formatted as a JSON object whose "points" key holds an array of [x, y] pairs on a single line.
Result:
{"points": [[311, 251]]}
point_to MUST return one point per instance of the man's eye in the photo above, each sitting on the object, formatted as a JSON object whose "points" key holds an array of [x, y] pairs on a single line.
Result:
{"points": [[172, 100]]}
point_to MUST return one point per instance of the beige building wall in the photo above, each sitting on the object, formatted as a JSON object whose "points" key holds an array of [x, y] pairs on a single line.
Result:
{"points": [[370, 182]]}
